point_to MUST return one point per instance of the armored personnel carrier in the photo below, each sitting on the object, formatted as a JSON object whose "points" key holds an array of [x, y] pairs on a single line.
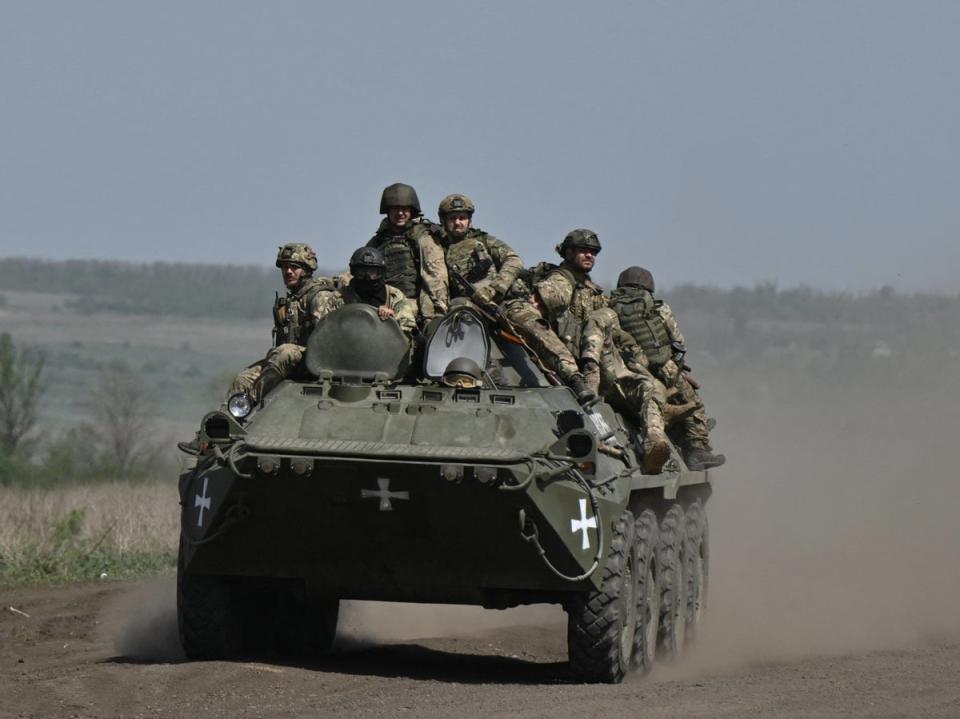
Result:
{"points": [[384, 479]]}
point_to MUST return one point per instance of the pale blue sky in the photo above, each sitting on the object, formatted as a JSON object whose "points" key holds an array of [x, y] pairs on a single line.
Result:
{"points": [[715, 142]]}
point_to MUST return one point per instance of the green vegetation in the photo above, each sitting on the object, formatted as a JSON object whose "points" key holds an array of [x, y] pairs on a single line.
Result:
{"points": [[114, 532]]}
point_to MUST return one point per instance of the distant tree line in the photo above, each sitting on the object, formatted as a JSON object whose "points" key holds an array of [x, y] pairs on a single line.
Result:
{"points": [[186, 290]]}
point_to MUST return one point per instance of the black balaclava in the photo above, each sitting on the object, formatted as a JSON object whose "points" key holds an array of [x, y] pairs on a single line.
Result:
{"points": [[373, 292]]}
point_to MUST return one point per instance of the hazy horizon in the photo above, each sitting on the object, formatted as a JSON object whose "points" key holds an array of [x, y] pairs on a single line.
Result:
{"points": [[722, 144]]}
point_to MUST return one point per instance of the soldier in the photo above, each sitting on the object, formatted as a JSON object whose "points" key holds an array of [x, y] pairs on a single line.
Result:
{"points": [[652, 324], [407, 246], [294, 316], [367, 285], [575, 308], [489, 264]]}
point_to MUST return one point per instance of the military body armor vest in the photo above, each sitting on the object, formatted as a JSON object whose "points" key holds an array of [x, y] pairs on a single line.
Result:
{"points": [[292, 321], [638, 315], [401, 258], [471, 257]]}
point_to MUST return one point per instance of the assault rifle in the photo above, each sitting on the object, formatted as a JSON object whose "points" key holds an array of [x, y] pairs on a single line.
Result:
{"points": [[502, 325]]}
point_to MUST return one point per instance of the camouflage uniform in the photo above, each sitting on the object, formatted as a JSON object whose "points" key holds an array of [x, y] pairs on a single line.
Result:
{"points": [[482, 259], [404, 309], [409, 252], [652, 324], [294, 319]]}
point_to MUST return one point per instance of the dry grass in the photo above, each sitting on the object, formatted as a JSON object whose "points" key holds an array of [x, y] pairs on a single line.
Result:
{"points": [[75, 532]]}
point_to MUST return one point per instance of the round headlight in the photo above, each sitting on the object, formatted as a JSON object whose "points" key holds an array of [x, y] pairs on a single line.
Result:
{"points": [[239, 405]]}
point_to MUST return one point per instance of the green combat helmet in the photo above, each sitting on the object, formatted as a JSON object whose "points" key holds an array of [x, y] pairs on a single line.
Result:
{"points": [[579, 238], [463, 372], [638, 276], [399, 195], [456, 203], [298, 253]]}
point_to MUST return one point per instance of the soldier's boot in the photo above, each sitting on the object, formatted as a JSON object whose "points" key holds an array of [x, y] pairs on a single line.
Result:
{"points": [[701, 458], [193, 447], [656, 446], [676, 412], [578, 383], [656, 451]]}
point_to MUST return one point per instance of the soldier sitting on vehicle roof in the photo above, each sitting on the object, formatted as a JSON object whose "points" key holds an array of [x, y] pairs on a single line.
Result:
{"points": [[294, 316], [409, 251], [652, 324], [367, 285]]}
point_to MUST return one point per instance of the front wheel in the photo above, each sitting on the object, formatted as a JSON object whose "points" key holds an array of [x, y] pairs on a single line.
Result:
{"points": [[601, 624]]}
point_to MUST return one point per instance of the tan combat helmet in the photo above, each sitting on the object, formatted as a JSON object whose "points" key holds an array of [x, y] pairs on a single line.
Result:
{"points": [[399, 195], [579, 238], [298, 253], [456, 203]]}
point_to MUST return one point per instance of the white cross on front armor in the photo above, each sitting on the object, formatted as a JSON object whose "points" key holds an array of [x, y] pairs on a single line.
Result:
{"points": [[383, 494], [581, 525], [202, 501]]}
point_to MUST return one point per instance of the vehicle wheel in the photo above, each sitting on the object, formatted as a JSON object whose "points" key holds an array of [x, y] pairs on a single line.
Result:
{"points": [[601, 625], [698, 564], [207, 616], [671, 559], [306, 627], [648, 593]]}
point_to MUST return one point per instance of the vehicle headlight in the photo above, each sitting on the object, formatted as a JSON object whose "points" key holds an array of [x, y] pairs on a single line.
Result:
{"points": [[239, 405]]}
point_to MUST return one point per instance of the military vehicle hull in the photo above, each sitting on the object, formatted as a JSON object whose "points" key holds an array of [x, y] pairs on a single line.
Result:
{"points": [[417, 492]]}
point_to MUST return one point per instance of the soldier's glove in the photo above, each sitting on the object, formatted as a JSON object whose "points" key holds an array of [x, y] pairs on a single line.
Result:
{"points": [[485, 295], [669, 373]]}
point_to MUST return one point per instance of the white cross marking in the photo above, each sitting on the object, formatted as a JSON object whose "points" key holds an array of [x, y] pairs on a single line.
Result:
{"points": [[383, 494], [202, 501], [581, 525]]}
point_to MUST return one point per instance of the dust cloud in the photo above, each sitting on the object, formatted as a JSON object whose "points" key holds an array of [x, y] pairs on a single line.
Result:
{"points": [[142, 623], [833, 525]]}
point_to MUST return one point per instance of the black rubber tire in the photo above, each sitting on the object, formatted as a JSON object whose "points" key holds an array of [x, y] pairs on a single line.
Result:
{"points": [[207, 616], [648, 593], [672, 560], [306, 628], [601, 624], [698, 567]]}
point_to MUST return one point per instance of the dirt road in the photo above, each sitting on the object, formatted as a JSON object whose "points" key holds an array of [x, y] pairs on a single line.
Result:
{"points": [[110, 650]]}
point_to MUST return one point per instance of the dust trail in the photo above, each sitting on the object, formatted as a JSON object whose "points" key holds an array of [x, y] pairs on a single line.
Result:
{"points": [[142, 623], [834, 523]]}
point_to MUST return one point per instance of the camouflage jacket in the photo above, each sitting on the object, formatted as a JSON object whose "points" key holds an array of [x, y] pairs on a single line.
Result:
{"points": [[481, 258], [295, 314], [404, 309], [412, 260], [651, 322], [568, 296]]}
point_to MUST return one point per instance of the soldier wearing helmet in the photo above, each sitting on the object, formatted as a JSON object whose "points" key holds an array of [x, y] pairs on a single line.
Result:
{"points": [[367, 285], [652, 324], [405, 241], [463, 373], [595, 349], [489, 264], [294, 316]]}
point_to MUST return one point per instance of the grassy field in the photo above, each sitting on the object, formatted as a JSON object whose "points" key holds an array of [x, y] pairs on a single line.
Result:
{"points": [[102, 531]]}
